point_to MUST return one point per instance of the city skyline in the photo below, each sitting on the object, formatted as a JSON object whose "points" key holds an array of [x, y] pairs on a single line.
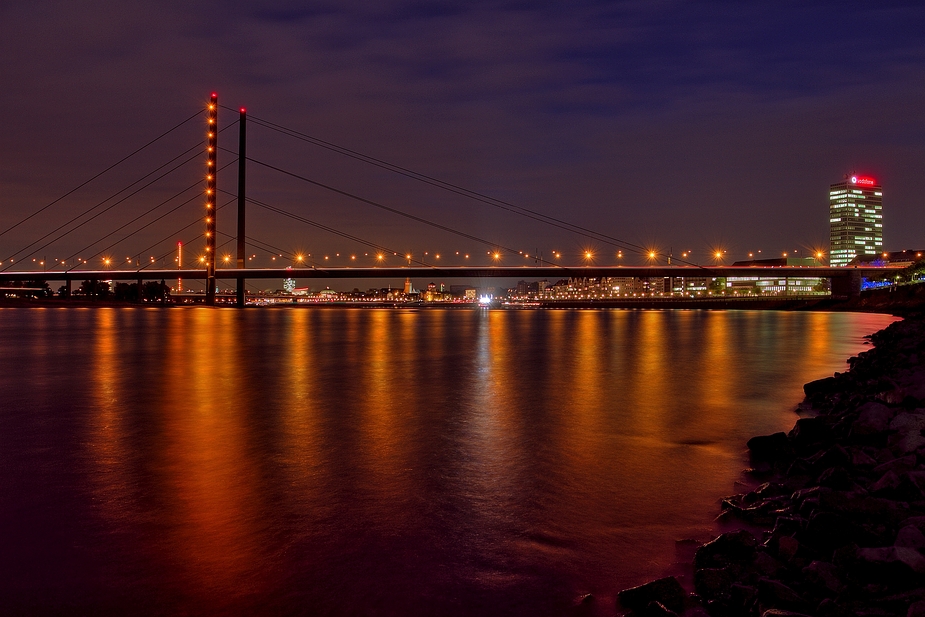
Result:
{"points": [[577, 114]]}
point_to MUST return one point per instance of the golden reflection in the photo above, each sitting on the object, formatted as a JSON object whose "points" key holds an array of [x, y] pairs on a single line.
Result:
{"points": [[299, 399], [106, 427], [387, 391], [218, 445], [209, 479]]}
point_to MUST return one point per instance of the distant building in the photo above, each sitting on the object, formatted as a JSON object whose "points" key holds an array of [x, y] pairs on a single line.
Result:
{"points": [[791, 284], [464, 291], [890, 259], [855, 219]]}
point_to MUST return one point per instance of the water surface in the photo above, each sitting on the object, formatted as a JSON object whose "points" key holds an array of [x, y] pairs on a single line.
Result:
{"points": [[377, 462]]}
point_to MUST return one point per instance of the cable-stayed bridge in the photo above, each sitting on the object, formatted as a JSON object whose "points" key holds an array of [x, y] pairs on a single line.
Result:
{"points": [[97, 233]]}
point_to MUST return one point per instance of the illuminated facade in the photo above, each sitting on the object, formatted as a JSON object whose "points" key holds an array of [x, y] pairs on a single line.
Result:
{"points": [[855, 219]]}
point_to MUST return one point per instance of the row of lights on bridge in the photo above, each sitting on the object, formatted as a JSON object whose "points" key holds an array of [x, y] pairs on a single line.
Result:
{"points": [[301, 258]]}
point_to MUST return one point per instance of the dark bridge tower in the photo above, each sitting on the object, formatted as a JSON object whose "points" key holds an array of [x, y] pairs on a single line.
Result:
{"points": [[211, 196], [242, 158]]}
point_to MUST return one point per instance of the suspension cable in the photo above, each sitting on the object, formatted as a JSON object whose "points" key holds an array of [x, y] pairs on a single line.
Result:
{"points": [[86, 182], [459, 190]]}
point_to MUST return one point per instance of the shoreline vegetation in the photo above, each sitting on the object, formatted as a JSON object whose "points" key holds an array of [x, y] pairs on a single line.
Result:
{"points": [[835, 523]]}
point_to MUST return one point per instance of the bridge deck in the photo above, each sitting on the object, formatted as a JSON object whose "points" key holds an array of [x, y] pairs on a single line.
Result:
{"points": [[549, 272]]}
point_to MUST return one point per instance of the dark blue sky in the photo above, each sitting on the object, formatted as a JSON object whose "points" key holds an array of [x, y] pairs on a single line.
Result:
{"points": [[683, 125]]}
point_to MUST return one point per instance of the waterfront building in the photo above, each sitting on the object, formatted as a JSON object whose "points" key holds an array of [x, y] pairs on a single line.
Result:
{"points": [[855, 219], [776, 285]]}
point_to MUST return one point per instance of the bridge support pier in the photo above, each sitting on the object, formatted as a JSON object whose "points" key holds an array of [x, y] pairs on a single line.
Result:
{"points": [[848, 285], [141, 297]]}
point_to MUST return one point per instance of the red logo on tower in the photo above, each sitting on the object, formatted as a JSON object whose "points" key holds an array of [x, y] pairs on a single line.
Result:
{"points": [[863, 181]]}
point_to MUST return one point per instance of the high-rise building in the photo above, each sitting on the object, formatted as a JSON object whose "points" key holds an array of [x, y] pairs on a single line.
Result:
{"points": [[855, 219]]}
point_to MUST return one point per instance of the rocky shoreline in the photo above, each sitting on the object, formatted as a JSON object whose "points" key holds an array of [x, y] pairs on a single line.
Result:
{"points": [[836, 524]]}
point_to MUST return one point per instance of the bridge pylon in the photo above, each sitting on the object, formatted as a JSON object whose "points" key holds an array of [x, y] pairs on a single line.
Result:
{"points": [[211, 196], [242, 157]]}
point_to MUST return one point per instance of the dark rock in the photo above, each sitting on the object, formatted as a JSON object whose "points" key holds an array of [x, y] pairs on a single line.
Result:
{"points": [[916, 609], [788, 525], [810, 433], [828, 531], [772, 489], [887, 485], [836, 456], [714, 583], [910, 536], [861, 459], [833, 608], [767, 565], [787, 548], [825, 386], [917, 479], [667, 591], [657, 609], [769, 448], [845, 557], [917, 521], [774, 594], [776, 612], [908, 432], [731, 547], [823, 575], [837, 478], [585, 600], [891, 561], [897, 465], [874, 417], [873, 509]]}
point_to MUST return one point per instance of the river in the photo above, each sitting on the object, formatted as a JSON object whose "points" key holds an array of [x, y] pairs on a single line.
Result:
{"points": [[348, 462]]}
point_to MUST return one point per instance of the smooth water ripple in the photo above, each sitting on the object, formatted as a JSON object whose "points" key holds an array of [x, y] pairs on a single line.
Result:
{"points": [[377, 462]]}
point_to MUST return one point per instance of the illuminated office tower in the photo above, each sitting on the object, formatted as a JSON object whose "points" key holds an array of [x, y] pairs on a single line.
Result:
{"points": [[855, 219]]}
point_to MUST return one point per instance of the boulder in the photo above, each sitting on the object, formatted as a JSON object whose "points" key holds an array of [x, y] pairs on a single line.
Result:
{"points": [[828, 531], [769, 448], [862, 459], [787, 548], [824, 576], [908, 428], [810, 433], [910, 536], [767, 565], [888, 562], [897, 465], [714, 583], [824, 386], [731, 547], [837, 478], [666, 591], [774, 594], [874, 418], [916, 609], [657, 609]]}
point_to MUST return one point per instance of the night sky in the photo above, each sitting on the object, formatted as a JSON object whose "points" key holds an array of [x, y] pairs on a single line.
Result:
{"points": [[676, 125]]}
